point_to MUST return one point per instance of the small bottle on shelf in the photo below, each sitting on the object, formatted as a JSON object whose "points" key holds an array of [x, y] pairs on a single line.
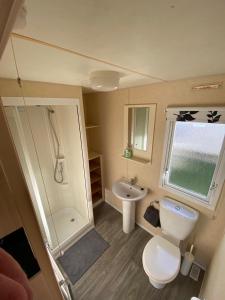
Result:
{"points": [[128, 152]]}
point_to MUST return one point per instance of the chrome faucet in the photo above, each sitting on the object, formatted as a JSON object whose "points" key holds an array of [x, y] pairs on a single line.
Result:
{"points": [[133, 180]]}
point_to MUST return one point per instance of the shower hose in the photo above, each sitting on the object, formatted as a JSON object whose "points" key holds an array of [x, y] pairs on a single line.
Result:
{"points": [[58, 168]]}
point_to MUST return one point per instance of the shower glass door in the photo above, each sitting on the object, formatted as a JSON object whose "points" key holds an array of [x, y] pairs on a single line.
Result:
{"points": [[22, 137], [49, 144]]}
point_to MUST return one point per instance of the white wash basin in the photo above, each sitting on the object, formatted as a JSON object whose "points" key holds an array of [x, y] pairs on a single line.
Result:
{"points": [[125, 191], [129, 194]]}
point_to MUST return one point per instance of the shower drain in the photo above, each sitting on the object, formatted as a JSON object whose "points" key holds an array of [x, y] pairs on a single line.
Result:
{"points": [[72, 220]]}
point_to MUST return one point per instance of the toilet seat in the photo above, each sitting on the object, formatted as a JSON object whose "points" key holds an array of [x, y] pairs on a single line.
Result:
{"points": [[161, 260]]}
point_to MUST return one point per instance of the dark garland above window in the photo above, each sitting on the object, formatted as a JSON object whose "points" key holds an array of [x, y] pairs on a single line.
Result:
{"points": [[213, 116], [186, 116], [203, 114]]}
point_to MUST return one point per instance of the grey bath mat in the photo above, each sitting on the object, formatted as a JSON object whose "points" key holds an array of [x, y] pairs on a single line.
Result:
{"points": [[82, 255]]}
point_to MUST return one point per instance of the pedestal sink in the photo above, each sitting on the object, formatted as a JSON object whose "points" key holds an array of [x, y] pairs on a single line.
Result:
{"points": [[129, 194]]}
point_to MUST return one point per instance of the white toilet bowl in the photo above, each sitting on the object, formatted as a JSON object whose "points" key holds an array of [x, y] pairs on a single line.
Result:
{"points": [[161, 261]]}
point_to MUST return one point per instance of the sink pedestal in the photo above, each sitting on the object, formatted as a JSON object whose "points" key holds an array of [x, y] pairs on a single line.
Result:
{"points": [[128, 216]]}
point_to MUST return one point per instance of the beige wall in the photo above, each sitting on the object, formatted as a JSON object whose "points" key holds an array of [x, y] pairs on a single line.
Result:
{"points": [[213, 287], [10, 88], [107, 110]]}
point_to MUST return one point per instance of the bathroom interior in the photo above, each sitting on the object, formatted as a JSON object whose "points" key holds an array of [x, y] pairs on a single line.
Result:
{"points": [[121, 148]]}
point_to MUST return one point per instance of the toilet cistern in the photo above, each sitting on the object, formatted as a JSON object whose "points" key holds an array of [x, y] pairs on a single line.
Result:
{"points": [[129, 192]]}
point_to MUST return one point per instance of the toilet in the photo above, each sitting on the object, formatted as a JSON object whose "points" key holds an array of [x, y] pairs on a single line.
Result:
{"points": [[161, 256]]}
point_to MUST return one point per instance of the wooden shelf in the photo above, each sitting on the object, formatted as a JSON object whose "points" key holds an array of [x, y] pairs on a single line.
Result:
{"points": [[95, 188], [93, 155], [95, 177], [138, 160], [97, 202], [94, 167], [89, 126], [97, 197]]}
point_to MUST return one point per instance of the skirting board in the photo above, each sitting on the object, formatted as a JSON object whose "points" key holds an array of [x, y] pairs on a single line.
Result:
{"points": [[142, 226]]}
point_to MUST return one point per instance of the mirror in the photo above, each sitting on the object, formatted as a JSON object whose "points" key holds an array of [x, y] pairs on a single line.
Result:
{"points": [[138, 119], [139, 130]]}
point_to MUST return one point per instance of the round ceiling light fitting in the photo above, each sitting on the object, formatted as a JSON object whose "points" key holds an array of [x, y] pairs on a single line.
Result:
{"points": [[104, 81]]}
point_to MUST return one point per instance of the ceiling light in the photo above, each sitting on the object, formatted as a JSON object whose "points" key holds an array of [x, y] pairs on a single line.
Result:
{"points": [[104, 81]]}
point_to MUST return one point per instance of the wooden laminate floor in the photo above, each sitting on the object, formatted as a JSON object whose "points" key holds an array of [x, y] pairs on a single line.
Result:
{"points": [[118, 274]]}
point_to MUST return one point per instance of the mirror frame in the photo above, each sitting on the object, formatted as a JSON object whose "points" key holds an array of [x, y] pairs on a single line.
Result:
{"points": [[141, 155]]}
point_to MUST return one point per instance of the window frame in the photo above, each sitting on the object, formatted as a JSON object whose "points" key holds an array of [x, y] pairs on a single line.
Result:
{"points": [[217, 180]]}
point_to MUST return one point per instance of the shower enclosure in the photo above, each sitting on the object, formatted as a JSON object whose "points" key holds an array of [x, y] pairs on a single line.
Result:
{"points": [[50, 141]]}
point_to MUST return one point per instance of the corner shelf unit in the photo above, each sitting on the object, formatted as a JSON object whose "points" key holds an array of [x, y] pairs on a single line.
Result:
{"points": [[96, 178]]}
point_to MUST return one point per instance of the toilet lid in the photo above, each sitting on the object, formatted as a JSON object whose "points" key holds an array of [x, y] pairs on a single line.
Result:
{"points": [[161, 259]]}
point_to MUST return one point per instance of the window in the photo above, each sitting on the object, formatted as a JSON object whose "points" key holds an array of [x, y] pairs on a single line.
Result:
{"points": [[193, 165]]}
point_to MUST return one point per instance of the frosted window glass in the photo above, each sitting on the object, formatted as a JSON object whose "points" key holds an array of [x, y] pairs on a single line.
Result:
{"points": [[195, 151]]}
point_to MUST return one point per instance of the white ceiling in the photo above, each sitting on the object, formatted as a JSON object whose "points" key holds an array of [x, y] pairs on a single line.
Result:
{"points": [[162, 40]]}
